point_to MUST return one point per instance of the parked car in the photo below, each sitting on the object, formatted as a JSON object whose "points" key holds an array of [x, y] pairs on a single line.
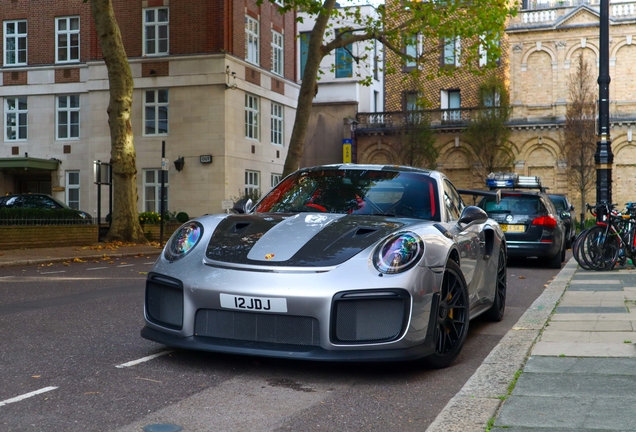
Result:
{"points": [[340, 262], [565, 209], [531, 223], [38, 201]]}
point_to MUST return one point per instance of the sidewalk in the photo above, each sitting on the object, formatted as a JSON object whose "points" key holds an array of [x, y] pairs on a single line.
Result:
{"points": [[570, 362], [19, 257]]}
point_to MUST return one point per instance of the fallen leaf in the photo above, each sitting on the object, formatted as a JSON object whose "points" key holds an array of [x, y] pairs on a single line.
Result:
{"points": [[148, 379], [66, 263], [78, 260], [143, 272], [522, 277], [36, 376], [123, 263]]}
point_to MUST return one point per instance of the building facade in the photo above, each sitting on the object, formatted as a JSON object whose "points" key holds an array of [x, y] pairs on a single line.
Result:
{"points": [[340, 94], [214, 80], [539, 50]]}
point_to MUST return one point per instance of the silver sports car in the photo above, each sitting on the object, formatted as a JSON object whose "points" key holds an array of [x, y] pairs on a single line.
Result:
{"points": [[338, 262]]}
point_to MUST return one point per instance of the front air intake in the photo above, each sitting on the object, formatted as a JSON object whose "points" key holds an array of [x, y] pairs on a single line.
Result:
{"points": [[369, 317], [164, 302]]}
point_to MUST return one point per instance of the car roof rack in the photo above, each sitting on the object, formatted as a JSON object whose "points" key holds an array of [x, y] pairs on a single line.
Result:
{"points": [[510, 180]]}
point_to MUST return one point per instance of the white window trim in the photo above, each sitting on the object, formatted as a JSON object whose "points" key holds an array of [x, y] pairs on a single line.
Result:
{"points": [[156, 105], [16, 36], [457, 48], [252, 181], [72, 186], [252, 40], [277, 124], [275, 179], [68, 110], [17, 113], [156, 24], [278, 53], [418, 43], [252, 117], [157, 189], [68, 33]]}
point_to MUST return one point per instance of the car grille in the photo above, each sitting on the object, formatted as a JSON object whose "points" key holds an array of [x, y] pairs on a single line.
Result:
{"points": [[370, 319], [164, 302], [257, 327]]}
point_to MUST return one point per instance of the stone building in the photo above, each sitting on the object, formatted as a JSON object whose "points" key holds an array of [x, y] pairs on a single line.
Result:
{"points": [[540, 47], [215, 80]]}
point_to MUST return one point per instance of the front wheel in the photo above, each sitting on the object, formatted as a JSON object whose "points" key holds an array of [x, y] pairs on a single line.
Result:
{"points": [[451, 318]]}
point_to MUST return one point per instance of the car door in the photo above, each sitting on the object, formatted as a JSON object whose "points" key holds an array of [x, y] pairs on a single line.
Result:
{"points": [[469, 240]]}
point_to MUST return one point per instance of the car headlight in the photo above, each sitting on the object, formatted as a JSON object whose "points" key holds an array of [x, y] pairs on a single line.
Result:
{"points": [[398, 253], [183, 240]]}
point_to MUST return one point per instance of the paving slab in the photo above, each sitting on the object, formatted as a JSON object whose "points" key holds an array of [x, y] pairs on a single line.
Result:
{"points": [[581, 385], [589, 287], [582, 349], [581, 365], [630, 316], [598, 326], [551, 335], [591, 309], [581, 281]]}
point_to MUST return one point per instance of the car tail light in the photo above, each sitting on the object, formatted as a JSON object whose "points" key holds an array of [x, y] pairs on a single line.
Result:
{"points": [[548, 221]]}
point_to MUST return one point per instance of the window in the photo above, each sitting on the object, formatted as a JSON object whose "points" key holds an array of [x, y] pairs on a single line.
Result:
{"points": [[376, 101], [452, 201], [275, 179], [251, 40], [15, 43], [413, 49], [152, 190], [376, 60], [450, 101], [68, 117], [156, 31], [277, 53], [452, 48], [344, 62], [277, 124], [252, 184], [73, 189], [304, 49], [156, 112], [251, 116], [67, 35], [15, 118]]}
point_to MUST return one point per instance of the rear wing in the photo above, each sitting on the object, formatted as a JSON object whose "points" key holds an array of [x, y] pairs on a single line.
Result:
{"points": [[478, 193]]}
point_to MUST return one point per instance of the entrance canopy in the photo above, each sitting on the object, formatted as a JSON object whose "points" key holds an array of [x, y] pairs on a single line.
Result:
{"points": [[29, 163]]}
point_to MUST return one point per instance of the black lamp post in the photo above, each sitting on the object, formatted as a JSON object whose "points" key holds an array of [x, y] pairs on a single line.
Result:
{"points": [[603, 158]]}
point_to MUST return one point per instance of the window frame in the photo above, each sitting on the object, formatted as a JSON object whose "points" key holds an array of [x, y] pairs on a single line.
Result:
{"points": [[252, 182], [277, 123], [451, 60], [278, 53], [252, 40], [414, 43], [69, 33], [156, 185], [274, 179], [19, 114], [17, 36], [344, 62], [252, 116], [70, 186], [158, 107], [69, 110], [303, 40], [156, 25]]}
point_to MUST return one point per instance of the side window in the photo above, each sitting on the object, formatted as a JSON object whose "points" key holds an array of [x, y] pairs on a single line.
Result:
{"points": [[452, 201]]}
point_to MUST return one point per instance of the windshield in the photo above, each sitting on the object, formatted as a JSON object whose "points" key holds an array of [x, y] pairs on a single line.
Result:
{"points": [[369, 192]]}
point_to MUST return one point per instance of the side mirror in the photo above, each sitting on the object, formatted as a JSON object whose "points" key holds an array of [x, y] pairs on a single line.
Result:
{"points": [[473, 214], [565, 214], [242, 206], [571, 208]]}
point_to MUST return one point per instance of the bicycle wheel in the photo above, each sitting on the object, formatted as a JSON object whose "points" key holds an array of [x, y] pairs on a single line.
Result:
{"points": [[599, 250], [577, 249]]}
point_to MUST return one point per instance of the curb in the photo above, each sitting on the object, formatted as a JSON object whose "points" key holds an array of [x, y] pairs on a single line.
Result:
{"points": [[480, 399], [35, 261]]}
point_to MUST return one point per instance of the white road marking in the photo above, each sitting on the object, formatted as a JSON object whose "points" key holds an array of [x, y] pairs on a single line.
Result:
{"points": [[26, 396], [96, 268], [60, 271], [150, 263], [6, 277], [125, 265], [142, 360]]}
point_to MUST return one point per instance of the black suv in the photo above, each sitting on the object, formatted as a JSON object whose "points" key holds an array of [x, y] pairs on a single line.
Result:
{"points": [[565, 209], [529, 220]]}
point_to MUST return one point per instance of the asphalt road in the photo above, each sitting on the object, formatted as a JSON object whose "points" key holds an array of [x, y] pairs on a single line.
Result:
{"points": [[71, 359]]}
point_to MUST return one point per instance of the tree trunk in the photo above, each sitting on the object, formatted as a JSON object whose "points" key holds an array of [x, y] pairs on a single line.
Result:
{"points": [[125, 221], [308, 89]]}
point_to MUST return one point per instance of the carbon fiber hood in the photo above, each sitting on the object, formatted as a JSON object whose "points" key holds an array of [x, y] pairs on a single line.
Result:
{"points": [[296, 240]]}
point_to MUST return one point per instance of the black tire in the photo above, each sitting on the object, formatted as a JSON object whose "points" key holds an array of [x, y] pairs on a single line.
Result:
{"points": [[577, 250], [451, 318], [599, 251], [555, 261], [498, 308]]}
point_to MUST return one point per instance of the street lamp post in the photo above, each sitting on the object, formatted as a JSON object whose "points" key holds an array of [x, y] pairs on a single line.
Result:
{"points": [[603, 158]]}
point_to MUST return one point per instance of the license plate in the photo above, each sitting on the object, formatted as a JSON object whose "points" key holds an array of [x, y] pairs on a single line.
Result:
{"points": [[513, 228], [261, 304]]}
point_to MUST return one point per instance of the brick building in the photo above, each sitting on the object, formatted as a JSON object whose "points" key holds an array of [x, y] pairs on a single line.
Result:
{"points": [[540, 46], [214, 79]]}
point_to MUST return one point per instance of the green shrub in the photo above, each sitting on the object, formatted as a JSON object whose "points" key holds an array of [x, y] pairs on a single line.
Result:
{"points": [[182, 217], [149, 218], [33, 216]]}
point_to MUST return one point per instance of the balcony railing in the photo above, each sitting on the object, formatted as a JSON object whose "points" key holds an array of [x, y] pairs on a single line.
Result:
{"points": [[399, 119], [546, 12]]}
